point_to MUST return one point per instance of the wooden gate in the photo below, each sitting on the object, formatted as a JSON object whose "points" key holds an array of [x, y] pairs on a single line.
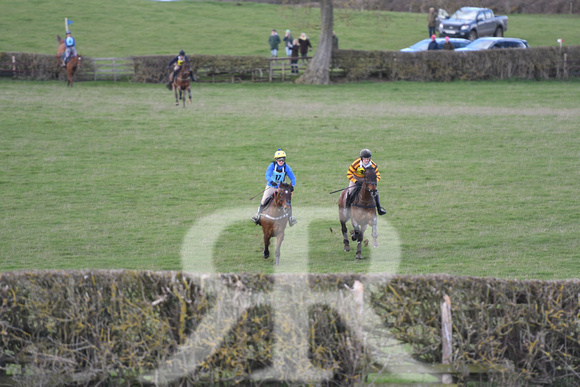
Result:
{"points": [[113, 69]]}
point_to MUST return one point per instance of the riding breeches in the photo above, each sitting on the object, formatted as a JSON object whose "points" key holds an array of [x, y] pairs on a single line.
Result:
{"points": [[69, 53], [269, 191]]}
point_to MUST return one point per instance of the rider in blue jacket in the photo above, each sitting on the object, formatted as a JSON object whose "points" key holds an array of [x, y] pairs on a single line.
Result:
{"points": [[71, 50], [275, 174]]}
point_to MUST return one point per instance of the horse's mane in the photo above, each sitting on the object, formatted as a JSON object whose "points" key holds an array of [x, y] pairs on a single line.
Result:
{"points": [[59, 39], [371, 174]]}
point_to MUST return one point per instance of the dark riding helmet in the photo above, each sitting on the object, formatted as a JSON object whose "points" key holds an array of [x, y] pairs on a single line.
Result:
{"points": [[365, 153], [181, 52]]}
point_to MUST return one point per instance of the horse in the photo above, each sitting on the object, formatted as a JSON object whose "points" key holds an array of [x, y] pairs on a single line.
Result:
{"points": [[183, 82], [362, 212], [73, 63], [275, 218]]}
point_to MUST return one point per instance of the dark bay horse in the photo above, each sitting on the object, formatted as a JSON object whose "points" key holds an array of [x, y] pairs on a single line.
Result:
{"points": [[362, 212], [275, 218], [183, 83]]}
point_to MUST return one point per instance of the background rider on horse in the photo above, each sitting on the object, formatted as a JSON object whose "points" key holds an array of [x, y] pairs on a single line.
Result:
{"points": [[275, 175], [177, 62], [71, 50], [356, 173]]}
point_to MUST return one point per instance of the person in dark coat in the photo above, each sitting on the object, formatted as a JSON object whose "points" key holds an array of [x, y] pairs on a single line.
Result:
{"points": [[294, 56], [433, 44], [448, 45], [305, 46]]}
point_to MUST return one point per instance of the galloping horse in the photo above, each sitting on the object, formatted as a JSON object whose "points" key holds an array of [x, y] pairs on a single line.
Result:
{"points": [[183, 82], [73, 63], [275, 218], [362, 212]]}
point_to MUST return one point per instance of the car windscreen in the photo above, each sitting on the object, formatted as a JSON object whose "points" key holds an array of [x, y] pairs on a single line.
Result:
{"points": [[480, 44], [422, 45], [464, 15]]}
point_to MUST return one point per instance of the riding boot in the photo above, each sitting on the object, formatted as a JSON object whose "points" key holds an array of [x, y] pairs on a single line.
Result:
{"points": [[291, 220], [256, 218], [380, 210]]}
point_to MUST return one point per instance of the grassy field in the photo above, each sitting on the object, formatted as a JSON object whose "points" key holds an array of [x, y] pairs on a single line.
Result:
{"points": [[116, 28], [478, 178]]}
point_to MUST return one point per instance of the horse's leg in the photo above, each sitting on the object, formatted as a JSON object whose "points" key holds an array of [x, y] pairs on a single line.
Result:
{"points": [[175, 91], [375, 232], [279, 240], [359, 242], [343, 215], [183, 98], [267, 237], [356, 230], [189, 91]]}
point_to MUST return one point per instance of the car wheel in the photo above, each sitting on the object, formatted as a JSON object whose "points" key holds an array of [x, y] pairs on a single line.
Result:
{"points": [[499, 32], [472, 35]]}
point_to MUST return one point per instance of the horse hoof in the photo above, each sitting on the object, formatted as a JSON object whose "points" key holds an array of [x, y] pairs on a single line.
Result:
{"points": [[358, 256], [347, 248], [176, 103], [266, 256]]}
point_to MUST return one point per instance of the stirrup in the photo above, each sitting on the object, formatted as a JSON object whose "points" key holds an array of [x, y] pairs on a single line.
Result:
{"points": [[292, 221]]}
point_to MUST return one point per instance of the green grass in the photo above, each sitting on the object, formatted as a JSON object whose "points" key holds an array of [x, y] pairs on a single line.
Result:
{"points": [[116, 28], [479, 178]]}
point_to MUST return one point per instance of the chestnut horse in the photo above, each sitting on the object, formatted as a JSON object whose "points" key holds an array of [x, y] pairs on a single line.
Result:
{"points": [[362, 212], [275, 218], [73, 63], [183, 82]]}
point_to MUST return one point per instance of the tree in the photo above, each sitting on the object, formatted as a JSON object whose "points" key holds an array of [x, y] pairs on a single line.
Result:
{"points": [[317, 72]]}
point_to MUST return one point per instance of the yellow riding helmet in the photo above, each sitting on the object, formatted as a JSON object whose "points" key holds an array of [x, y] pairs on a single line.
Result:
{"points": [[279, 154], [360, 171]]}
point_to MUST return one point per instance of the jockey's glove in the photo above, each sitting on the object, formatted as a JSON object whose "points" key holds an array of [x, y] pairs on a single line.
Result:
{"points": [[273, 183]]}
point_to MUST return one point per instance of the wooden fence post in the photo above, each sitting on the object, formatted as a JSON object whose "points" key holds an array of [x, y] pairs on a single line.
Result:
{"points": [[446, 333]]}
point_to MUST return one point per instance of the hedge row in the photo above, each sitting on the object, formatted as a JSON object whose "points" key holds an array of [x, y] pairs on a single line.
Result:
{"points": [[117, 327], [540, 63]]}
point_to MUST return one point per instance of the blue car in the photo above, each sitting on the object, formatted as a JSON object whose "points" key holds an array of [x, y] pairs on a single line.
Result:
{"points": [[423, 44], [492, 43]]}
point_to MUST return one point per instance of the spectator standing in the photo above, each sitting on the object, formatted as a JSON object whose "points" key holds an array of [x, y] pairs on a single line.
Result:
{"points": [[305, 46], [431, 21], [448, 45], [433, 44], [334, 41], [295, 55], [288, 39], [274, 41]]}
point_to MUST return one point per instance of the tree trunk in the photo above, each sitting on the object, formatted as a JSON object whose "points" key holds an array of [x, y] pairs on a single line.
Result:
{"points": [[317, 72]]}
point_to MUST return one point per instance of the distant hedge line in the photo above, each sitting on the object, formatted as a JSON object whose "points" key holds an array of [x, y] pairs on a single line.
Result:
{"points": [[115, 327], [539, 63]]}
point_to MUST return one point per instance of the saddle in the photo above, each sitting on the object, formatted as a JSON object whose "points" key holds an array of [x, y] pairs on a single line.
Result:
{"points": [[352, 194]]}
